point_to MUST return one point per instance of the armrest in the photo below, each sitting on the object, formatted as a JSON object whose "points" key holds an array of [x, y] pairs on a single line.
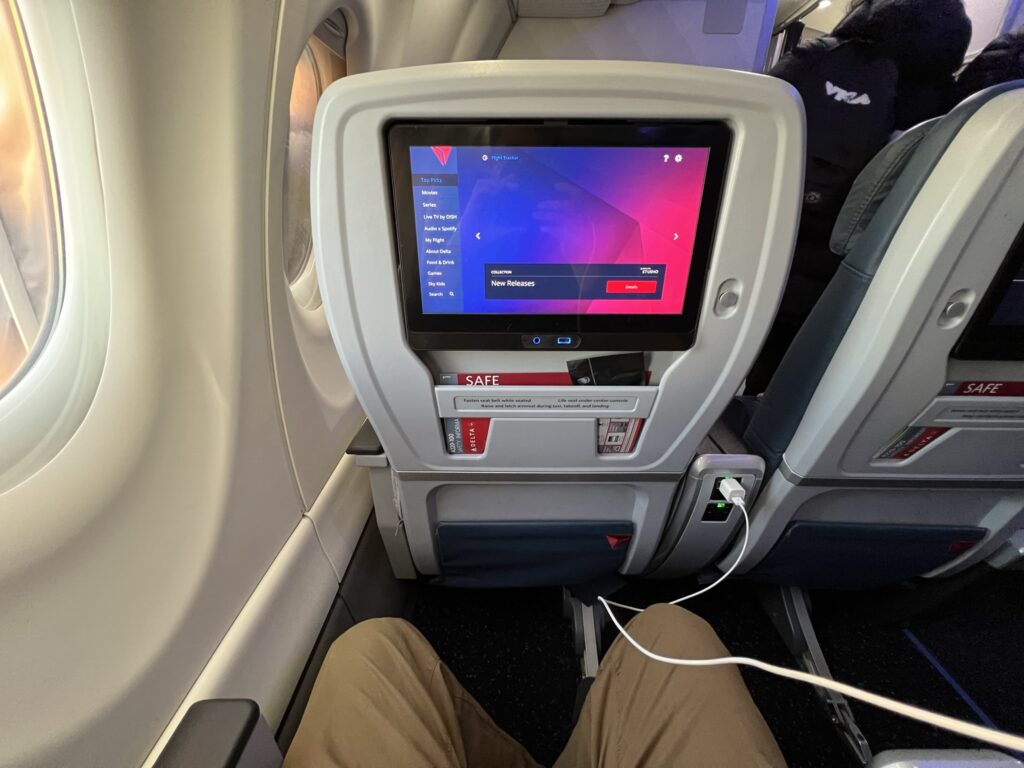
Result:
{"points": [[942, 758], [366, 442], [221, 733]]}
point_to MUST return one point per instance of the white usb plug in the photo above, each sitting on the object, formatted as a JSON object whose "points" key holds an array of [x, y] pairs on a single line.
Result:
{"points": [[732, 490]]}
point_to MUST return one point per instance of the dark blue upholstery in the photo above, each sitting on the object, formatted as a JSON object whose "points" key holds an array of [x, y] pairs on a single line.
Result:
{"points": [[878, 202], [527, 553], [822, 555]]}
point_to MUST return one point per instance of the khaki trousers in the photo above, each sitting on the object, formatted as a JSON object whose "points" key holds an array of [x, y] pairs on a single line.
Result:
{"points": [[384, 698]]}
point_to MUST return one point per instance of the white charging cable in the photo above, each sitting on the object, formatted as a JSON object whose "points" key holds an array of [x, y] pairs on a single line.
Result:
{"points": [[734, 493]]}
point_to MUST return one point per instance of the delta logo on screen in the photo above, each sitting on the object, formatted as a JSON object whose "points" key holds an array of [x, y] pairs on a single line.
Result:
{"points": [[442, 154]]}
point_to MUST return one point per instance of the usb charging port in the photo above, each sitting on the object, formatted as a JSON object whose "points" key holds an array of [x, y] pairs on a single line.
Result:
{"points": [[716, 512], [564, 341]]}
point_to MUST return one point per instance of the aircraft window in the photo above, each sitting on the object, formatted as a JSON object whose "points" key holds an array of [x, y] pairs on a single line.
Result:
{"points": [[318, 67], [29, 218]]}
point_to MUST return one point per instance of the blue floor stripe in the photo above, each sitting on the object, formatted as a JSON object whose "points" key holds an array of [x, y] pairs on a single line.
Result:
{"points": [[923, 650]]}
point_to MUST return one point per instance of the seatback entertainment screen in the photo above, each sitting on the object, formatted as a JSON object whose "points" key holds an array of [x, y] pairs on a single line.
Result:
{"points": [[510, 234]]}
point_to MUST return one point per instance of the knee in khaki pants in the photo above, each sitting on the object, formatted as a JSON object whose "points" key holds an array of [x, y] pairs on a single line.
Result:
{"points": [[383, 697], [640, 712]]}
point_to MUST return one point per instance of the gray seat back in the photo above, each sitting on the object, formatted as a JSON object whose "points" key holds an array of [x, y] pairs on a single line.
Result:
{"points": [[893, 457], [870, 217]]}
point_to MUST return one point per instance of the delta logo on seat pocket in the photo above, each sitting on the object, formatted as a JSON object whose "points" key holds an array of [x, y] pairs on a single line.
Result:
{"points": [[848, 97]]}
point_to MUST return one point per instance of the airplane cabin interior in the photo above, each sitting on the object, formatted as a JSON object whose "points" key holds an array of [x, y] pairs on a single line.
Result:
{"points": [[374, 372]]}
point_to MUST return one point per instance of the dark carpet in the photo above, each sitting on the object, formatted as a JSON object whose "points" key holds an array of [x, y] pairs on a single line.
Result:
{"points": [[976, 637], [979, 639], [513, 651], [884, 660]]}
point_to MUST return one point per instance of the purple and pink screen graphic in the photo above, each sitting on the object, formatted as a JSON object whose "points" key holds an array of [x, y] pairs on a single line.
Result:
{"points": [[556, 230]]}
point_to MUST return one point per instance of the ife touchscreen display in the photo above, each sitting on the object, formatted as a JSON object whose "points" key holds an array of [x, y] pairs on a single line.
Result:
{"points": [[532, 228]]}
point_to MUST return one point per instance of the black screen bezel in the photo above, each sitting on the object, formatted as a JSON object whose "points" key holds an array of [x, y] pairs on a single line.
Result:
{"points": [[594, 332], [982, 341]]}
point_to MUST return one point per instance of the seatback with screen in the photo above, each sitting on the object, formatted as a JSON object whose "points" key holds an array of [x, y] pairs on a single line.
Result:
{"points": [[896, 420], [483, 228]]}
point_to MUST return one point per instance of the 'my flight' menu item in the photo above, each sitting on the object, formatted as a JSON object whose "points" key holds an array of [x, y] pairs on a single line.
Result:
{"points": [[555, 230]]}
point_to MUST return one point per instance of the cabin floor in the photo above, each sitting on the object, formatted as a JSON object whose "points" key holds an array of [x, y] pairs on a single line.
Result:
{"points": [[512, 649], [963, 658]]}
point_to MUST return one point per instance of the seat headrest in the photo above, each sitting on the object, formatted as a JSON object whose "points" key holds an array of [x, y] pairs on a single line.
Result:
{"points": [[873, 185]]}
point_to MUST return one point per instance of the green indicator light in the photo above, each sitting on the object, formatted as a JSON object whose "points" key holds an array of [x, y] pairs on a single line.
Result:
{"points": [[721, 505]]}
